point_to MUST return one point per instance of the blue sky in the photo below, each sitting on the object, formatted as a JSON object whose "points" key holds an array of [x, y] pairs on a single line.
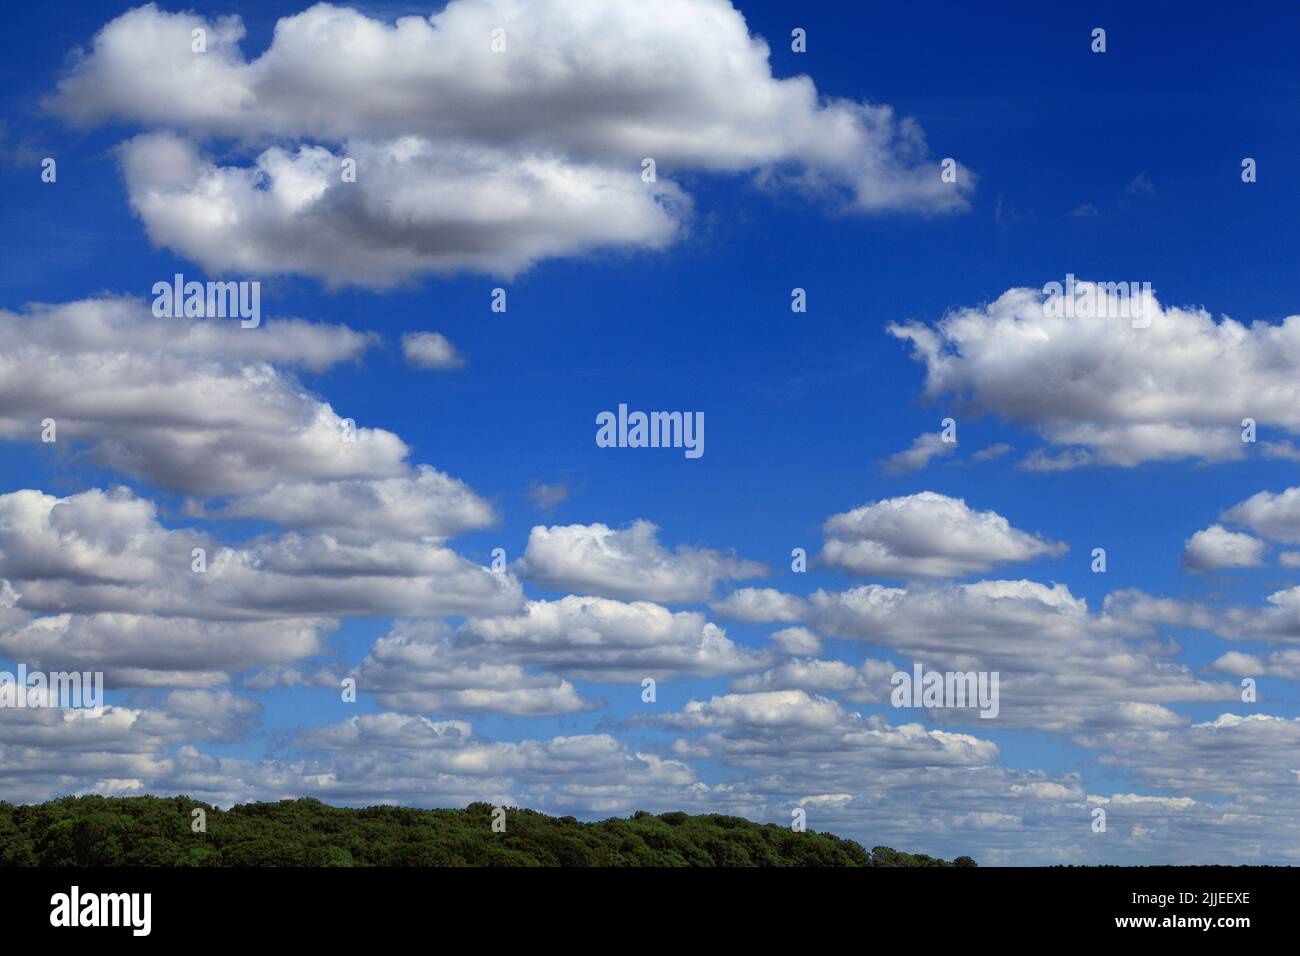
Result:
{"points": [[1122, 166]]}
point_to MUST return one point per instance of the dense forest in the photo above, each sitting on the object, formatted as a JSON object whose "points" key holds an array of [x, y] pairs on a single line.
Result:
{"points": [[156, 831]]}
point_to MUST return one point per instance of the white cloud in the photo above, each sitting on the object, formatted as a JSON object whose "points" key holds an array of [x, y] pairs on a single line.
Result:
{"points": [[796, 640], [119, 590], [627, 563], [1061, 668], [1216, 547], [199, 406], [424, 505], [1284, 664], [423, 668], [430, 350], [923, 448], [1275, 516], [1101, 391], [418, 206], [467, 158], [592, 638], [761, 605], [926, 535]]}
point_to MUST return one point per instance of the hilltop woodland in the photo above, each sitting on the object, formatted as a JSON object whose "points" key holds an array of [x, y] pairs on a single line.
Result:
{"points": [[158, 831]]}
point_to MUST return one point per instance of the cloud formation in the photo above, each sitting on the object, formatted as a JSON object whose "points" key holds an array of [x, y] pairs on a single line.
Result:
{"points": [[926, 535], [1108, 390], [473, 149]]}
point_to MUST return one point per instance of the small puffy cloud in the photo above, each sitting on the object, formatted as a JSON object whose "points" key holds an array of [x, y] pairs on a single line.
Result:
{"points": [[627, 563], [1284, 664], [548, 495], [430, 350], [1237, 664], [1275, 516], [1216, 547], [796, 640], [926, 535], [760, 605]]}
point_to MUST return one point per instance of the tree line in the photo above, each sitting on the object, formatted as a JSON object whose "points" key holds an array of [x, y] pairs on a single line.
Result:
{"points": [[167, 832]]}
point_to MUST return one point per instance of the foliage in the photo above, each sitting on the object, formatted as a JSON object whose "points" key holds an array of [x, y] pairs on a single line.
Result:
{"points": [[156, 831]]}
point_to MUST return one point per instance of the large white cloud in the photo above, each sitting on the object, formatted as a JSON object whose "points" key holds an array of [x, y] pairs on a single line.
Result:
{"points": [[417, 207], [106, 551], [926, 535], [1109, 391], [466, 157], [121, 592], [199, 406]]}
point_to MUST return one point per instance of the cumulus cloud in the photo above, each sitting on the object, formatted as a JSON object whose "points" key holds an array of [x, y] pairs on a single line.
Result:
{"points": [[796, 640], [367, 759], [424, 668], [422, 505], [1232, 755], [1277, 619], [1103, 391], [923, 448], [627, 563], [761, 605], [548, 495], [1275, 516], [926, 535], [430, 350], [106, 551], [199, 406], [468, 158], [523, 665], [418, 206], [120, 591], [1216, 547], [592, 638], [1284, 664], [1061, 667], [745, 727]]}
